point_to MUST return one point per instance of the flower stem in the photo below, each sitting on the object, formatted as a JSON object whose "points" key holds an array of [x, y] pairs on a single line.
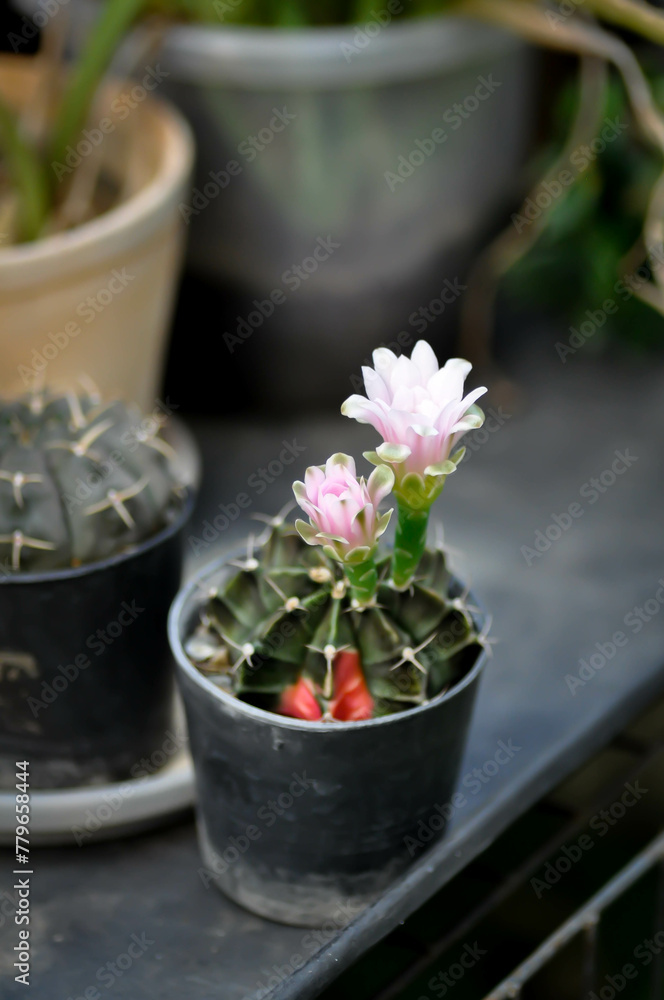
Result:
{"points": [[363, 580], [409, 544]]}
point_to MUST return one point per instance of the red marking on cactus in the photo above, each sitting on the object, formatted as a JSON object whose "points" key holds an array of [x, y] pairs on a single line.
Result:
{"points": [[299, 702], [352, 700]]}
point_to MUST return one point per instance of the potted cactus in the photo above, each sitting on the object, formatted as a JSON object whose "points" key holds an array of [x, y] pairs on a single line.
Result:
{"points": [[91, 516], [329, 682]]}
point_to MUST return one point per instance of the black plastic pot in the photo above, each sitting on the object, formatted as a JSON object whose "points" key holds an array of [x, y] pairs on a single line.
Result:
{"points": [[303, 822], [86, 674]]}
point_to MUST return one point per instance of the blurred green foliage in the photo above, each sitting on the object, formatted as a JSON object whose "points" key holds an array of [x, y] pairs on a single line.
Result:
{"points": [[298, 13], [577, 263]]}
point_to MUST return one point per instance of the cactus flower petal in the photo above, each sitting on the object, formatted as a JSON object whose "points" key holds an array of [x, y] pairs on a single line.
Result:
{"points": [[389, 452], [380, 484], [343, 510], [355, 407], [424, 357], [383, 521], [418, 408], [307, 532], [441, 469], [375, 386]]}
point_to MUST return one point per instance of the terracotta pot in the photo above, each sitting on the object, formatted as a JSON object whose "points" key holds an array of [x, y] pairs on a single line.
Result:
{"points": [[97, 299]]}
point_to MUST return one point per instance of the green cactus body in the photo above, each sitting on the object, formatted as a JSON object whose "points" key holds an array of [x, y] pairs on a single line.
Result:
{"points": [[286, 615], [79, 481]]}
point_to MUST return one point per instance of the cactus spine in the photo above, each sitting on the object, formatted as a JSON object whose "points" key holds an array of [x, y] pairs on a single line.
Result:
{"points": [[80, 480], [284, 616]]}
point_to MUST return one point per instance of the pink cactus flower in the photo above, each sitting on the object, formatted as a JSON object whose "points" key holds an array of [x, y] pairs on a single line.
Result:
{"points": [[418, 408], [343, 509]]}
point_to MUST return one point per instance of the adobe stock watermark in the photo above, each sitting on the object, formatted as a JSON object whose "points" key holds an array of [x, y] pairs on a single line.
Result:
{"points": [[364, 34], [345, 910], [452, 638], [635, 620], [403, 340], [579, 161], [473, 782], [476, 439], [97, 643], [224, 7], [8, 907], [34, 23], [292, 278], [59, 340], [248, 149], [455, 116], [130, 441], [257, 482], [120, 109], [420, 319], [443, 982], [266, 816], [109, 973], [590, 492], [645, 954], [625, 288], [115, 797], [563, 11], [601, 824]]}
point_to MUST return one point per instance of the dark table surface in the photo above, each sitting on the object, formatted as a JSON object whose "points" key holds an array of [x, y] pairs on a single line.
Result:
{"points": [[564, 607]]}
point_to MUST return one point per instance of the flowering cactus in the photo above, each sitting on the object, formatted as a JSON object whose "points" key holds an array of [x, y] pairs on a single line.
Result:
{"points": [[420, 412], [318, 624]]}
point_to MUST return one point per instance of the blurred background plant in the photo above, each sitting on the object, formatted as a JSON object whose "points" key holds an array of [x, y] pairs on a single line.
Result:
{"points": [[576, 264], [30, 192], [296, 13], [602, 229]]}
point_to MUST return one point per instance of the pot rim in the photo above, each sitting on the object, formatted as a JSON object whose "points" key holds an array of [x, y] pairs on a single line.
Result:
{"points": [[111, 232], [259, 57], [261, 715], [74, 572], [407, 48]]}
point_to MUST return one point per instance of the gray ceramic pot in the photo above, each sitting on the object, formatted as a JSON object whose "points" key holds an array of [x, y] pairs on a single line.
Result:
{"points": [[300, 821], [343, 174]]}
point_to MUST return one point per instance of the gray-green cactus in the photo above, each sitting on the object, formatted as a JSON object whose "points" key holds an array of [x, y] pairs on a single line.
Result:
{"points": [[280, 622], [80, 480]]}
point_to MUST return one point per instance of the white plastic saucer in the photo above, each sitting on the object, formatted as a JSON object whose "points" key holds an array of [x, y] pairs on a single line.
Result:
{"points": [[79, 816]]}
